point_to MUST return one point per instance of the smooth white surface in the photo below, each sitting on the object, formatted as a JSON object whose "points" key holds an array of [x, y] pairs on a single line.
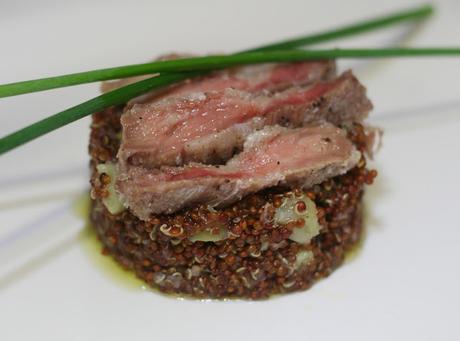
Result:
{"points": [[402, 286]]}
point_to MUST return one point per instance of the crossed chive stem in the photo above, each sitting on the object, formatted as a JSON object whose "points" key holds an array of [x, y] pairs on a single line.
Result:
{"points": [[172, 71]]}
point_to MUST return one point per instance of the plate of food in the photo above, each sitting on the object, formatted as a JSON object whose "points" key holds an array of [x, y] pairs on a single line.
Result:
{"points": [[237, 181]]}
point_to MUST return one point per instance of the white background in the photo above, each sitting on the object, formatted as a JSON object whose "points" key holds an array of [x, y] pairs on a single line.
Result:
{"points": [[403, 285]]}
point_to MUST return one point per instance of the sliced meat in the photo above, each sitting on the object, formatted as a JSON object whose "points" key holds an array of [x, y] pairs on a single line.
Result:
{"points": [[210, 127], [252, 78], [271, 157], [258, 78]]}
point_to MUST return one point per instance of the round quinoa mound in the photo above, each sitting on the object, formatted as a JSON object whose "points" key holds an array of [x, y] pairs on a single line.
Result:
{"points": [[256, 258]]}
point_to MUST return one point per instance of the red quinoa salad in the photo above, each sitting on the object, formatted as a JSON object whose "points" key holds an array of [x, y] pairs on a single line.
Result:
{"points": [[246, 182]]}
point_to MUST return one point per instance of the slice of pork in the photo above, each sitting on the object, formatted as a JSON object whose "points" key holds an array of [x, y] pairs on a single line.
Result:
{"points": [[271, 157], [210, 127]]}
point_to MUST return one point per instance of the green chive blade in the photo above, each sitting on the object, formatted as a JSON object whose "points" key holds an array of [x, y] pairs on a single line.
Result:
{"points": [[115, 97], [24, 87], [349, 30]]}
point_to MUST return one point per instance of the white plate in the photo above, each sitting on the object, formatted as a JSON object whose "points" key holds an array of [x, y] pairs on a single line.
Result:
{"points": [[402, 285]]}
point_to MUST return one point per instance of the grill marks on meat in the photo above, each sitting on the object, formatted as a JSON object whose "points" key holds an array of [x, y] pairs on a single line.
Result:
{"points": [[210, 127], [273, 156]]}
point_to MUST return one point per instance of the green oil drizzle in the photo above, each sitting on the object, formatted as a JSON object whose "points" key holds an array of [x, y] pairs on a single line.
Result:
{"points": [[126, 279], [92, 248]]}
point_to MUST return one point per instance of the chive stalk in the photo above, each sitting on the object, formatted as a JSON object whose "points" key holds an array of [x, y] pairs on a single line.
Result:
{"points": [[258, 55], [18, 88], [353, 29], [115, 97], [220, 62]]}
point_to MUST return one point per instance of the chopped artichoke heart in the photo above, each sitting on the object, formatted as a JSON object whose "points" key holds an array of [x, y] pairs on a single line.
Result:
{"points": [[112, 202], [303, 258], [288, 212], [208, 236]]}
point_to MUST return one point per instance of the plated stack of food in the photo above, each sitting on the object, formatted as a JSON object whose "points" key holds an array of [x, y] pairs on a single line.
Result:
{"points": [[222, 176], [245, 182]]}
